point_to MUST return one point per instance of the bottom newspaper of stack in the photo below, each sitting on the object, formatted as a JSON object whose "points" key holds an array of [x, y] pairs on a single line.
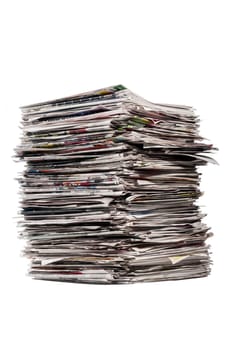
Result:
{"points": [[110, 188]]}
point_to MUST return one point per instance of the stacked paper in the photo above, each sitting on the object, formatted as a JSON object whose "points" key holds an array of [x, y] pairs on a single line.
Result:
{"points": [[110, 187]]}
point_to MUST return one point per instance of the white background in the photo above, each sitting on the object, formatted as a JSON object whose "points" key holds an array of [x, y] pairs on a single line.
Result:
{"points": [[166, 51]]}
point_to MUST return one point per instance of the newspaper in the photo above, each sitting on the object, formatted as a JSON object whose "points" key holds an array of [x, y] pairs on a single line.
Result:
{"points": [[110, 188]]}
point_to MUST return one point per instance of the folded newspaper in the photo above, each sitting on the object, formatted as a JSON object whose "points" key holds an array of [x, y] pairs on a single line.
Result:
{"points": [[110, 188]]}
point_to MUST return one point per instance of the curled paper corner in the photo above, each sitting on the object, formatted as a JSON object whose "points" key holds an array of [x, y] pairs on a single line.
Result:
{"points": [[50, 261], [176, 259]]}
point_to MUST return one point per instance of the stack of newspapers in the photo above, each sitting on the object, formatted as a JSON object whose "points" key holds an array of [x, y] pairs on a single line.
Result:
{"points": [[110, 188]]}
